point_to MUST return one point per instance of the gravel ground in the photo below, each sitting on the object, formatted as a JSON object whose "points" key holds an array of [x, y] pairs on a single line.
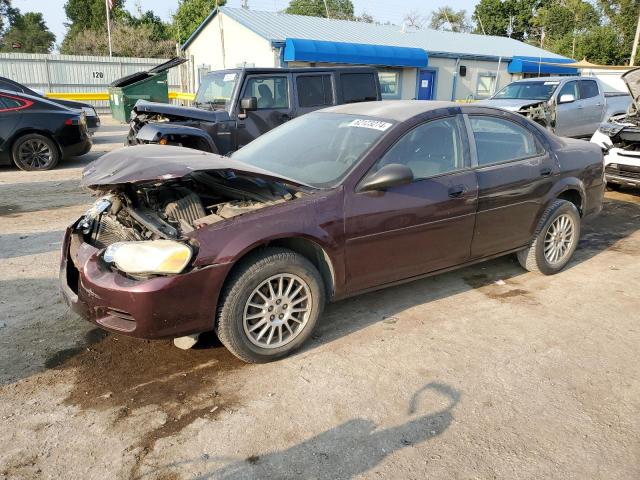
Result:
{"points": [[486, 372]]}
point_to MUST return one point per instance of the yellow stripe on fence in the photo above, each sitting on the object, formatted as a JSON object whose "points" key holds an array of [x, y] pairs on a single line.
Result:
{"points": [[105, 96]]}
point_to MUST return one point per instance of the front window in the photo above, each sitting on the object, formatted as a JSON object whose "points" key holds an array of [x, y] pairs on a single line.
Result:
{"points": [[316, 149], [216, 89], [528, 91], [271, 91]]}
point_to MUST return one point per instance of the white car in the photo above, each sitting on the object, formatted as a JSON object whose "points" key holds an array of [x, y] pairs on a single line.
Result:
{"points": [[619, 139]]}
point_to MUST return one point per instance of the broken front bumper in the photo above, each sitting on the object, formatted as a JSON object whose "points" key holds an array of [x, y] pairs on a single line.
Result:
{"points": [[157, 307], [622, 167]]}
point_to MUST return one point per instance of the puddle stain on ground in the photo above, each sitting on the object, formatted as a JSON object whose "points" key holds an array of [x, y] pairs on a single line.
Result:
{"points": [[127, 374], [497, 289]]}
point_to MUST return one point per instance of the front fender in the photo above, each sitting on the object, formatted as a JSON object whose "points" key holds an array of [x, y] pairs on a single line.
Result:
{"points": [[153, 132]]}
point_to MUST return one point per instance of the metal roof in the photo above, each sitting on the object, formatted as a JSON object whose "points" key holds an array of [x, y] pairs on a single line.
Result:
{"points": [[277, 27]]}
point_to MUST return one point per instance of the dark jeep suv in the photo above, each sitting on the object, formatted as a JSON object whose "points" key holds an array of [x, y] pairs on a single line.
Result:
{"points": [[233, 107]]}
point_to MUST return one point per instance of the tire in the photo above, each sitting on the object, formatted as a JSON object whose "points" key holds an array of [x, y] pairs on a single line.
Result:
{"points": [[33, 152], [554, 219], [245, 329]]}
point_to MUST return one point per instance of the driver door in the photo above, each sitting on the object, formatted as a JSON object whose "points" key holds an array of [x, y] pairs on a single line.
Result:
{"points": [[569, 115], [417, 228], [274, 94]]}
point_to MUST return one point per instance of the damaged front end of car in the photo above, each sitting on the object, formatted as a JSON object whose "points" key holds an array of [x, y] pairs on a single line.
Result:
{"points": [[543, 113], [619, 138], [137, 246]]}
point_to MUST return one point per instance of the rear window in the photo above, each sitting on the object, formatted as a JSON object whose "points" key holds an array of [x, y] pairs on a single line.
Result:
{"points": [[588, 89], [314, 91], [7, 103], [358, 87]]}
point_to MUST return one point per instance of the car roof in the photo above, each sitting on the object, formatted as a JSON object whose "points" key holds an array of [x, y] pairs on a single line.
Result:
{"points": [[399, 110], [550, 79], [36, 98], [356, 69]]}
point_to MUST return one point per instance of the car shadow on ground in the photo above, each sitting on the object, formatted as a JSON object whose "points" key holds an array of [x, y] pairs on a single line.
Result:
{"points": [[345, 451], [13, 245], [34, 196]]}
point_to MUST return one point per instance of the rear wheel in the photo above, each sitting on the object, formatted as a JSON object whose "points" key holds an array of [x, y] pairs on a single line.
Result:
{"points": [[555, 241], [270, 305], [35, 152]]}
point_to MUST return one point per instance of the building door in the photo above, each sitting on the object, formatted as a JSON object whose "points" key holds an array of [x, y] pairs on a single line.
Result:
{"points": [[426, 80]]}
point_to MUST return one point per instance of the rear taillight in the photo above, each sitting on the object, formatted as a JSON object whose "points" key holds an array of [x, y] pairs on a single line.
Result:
{"points": [[72, 121]]}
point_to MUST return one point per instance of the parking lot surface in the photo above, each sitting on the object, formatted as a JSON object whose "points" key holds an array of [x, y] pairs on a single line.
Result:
{"points": [[485, 372]]}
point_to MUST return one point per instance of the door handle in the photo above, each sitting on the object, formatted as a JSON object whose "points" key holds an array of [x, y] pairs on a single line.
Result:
{"points": [[457, 191], [545, 172]]}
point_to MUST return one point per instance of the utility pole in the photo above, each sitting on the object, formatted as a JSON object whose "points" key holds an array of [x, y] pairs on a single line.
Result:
{"points": [[108, 4], [326, 8], [635, 45]]}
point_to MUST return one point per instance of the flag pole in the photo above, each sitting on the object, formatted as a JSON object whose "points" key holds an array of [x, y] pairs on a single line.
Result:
{"points": [[106, 5]]}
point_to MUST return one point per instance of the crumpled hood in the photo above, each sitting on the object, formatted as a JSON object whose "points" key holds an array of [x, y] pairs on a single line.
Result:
{"points": [[146, 163], [632, 80], [512, 105], [143, 106]]}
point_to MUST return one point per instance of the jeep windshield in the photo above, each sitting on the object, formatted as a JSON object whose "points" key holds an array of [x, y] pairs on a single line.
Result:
{"points": [[527, 91], [216, 90], [317, 149]]}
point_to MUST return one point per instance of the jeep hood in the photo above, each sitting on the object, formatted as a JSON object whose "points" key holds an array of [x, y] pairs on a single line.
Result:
{"points": [[632, 80], [143, 106], [148, 163]]}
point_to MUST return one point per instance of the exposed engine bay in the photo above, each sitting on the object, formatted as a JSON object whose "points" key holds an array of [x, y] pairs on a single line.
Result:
{"points": [[542, 113], [172, 208]]}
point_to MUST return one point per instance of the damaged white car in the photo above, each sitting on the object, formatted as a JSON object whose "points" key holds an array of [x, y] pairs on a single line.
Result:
{"points": [[619, 139]]}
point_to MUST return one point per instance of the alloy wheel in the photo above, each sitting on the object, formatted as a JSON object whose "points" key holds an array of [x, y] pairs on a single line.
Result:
{"points": [[277, 311], [35, 153], [559, 239]]}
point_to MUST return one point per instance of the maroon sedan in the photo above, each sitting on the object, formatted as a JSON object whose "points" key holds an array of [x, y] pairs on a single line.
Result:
{"points": [[331, 204]]}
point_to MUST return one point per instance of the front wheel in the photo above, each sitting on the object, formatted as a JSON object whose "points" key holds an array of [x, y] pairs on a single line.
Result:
{"points": [[270, 305], [555, 241]]}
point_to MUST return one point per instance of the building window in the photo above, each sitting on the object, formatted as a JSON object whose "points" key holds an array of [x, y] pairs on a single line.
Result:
{"points": [[486, 85], [389, 84]]}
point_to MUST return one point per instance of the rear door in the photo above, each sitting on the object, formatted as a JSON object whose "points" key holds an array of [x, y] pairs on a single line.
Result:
{"points": [[11, 111], [514, 173], [274, 94], [592, 102], [313, 91]]}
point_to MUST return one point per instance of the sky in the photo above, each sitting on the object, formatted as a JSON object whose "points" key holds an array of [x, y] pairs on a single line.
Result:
{"points": [[382, 10]]}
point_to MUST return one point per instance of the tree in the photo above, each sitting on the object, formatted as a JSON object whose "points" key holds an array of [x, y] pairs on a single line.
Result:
{"points": [[88, 15], [189, 16], [511, 18], [623, 16], [342, 9], [563, 22], [446, 18], [414, 20], [30, 32], [127, 41], [7, 14]]}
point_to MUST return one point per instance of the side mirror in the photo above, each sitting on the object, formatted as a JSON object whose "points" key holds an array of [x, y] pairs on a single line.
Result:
{"points": [[247, 104], [391, 175], [566, 98]]}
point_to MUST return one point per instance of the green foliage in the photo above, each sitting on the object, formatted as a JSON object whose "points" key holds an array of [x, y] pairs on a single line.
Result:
{"points": [[507, 17], [86, 15], [8, 14], [446, 18], [30, 31], [189, 16], [342, 9]]}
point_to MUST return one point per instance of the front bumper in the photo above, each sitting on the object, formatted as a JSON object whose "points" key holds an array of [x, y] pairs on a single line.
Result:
{"points": [[622, 167], [154, 308]]}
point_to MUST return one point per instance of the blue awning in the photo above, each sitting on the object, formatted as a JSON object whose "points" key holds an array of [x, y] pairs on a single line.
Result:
{"points": [[301, 50], [540, 64]]}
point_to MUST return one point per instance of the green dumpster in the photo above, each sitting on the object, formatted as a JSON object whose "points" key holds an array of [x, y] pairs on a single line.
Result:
{"points": [[151, 85]]}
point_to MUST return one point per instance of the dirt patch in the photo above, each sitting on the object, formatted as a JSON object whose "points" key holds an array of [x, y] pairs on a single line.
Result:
{"points": [[497, 288], [128, 374]]}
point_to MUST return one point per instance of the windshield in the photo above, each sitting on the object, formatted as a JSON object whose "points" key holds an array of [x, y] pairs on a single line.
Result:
{"points": [[316, 149], [528, 90], [216, 89]]}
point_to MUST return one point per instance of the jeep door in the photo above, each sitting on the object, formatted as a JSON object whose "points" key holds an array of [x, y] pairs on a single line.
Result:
{"points": [[274, 94]]}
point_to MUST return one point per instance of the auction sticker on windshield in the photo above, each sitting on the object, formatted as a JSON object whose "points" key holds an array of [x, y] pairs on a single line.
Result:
{"points": [[374, 124], [228, 77]]}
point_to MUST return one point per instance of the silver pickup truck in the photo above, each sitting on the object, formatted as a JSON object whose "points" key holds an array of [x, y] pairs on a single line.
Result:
{"points": [[568, 106]]}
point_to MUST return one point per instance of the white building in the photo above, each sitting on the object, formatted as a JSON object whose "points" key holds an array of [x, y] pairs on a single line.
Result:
{"points": [[424, 64]]}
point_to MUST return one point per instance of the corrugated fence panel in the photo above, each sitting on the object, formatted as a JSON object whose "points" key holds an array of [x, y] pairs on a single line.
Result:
{"points": [[76, 73]]}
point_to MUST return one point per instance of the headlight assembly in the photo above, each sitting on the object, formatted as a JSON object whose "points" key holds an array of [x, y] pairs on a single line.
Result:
{"points": [[149, 257]]}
